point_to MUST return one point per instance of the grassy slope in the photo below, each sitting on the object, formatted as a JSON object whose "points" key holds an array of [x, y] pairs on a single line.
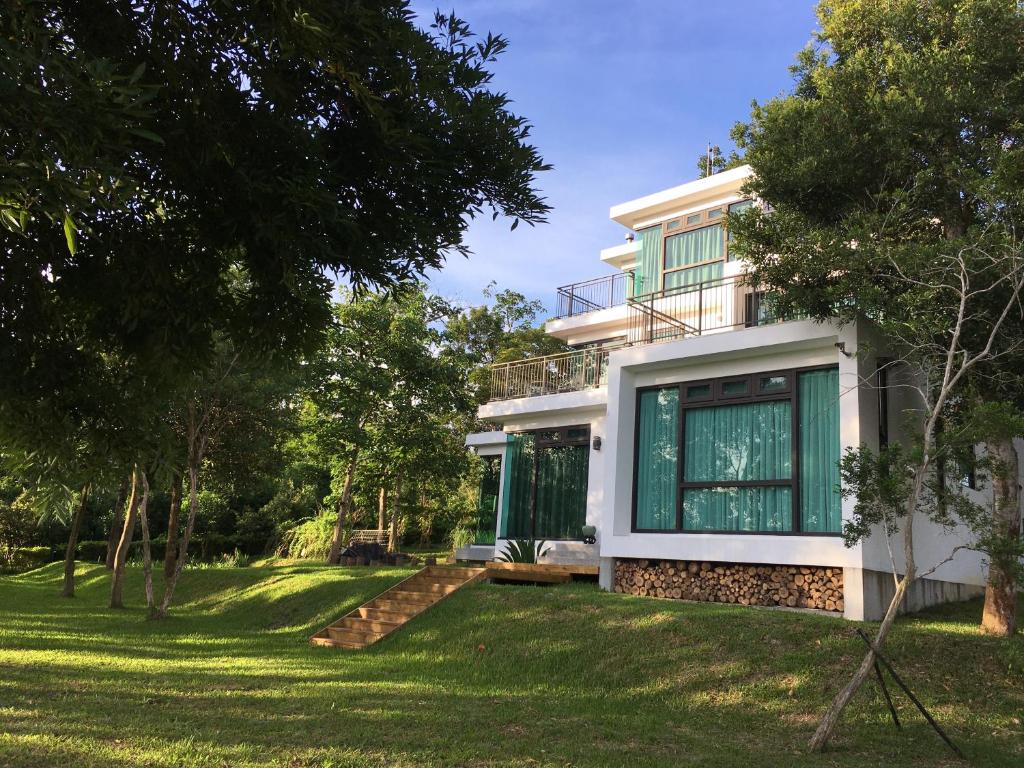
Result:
{"points": [[493, 676]]}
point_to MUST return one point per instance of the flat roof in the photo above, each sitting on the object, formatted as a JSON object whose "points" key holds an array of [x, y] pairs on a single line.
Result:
{"points": [[629, 213]]}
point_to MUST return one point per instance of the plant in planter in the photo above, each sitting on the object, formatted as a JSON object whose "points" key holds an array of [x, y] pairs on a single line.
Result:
{"points": [[523, 551]]}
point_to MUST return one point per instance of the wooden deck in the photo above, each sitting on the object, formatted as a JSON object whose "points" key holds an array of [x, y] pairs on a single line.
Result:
{"points": [[539, 573]]}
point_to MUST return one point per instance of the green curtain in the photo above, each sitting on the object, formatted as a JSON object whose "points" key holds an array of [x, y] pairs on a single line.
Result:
{"points": [[694, 246], [515, 520], [738, 509], [647, 275], [487, 504], [751, 441], [561, 491], [820, 507], [693, 275], [657, 459]]}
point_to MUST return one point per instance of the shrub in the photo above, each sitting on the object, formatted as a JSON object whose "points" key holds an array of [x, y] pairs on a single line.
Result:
{"points": [[92, 551], [27, 558], [523, 551], [310, 538]]}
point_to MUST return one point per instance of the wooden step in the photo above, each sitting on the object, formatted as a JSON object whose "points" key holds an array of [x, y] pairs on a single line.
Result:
{"points": [[427, 587], [359, 624], [347, 635], [328, 642], [415, 598], [445, 570], [397, 607], [392, 608], [382, 614]]}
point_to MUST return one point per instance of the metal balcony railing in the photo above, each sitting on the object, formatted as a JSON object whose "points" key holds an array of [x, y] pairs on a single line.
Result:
{"points": [[691, 310], [591, 295], [548, 375]]}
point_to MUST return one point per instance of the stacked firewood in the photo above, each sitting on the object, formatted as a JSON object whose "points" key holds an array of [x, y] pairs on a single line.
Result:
{"points": [[793, 586]]}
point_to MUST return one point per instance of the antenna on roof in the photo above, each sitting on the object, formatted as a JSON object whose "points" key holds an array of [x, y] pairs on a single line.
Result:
{"points": [[707, 165]]}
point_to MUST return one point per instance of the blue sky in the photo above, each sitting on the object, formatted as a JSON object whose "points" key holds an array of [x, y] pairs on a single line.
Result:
{"points": [[623, 96]]}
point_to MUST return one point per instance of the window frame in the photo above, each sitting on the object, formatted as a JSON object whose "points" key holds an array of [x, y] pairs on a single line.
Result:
{"points": [[791, 395], [678, 225], [562, 441]]}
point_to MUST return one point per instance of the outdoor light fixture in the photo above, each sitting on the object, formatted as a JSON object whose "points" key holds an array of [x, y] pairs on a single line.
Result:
{"points": [[597, 443], [841, 346], [589, 534]]}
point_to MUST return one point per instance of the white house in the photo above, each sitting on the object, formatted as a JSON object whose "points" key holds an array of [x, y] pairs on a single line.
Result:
{"points": [[694, 430]]}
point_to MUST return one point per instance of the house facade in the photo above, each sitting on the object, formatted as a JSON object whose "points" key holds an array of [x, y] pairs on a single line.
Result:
{"points": [[697, 434]]}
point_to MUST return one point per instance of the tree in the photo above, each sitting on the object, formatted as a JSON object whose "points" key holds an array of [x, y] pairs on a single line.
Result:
{"points": [[502, 330], [911, 219], [154, 152]]}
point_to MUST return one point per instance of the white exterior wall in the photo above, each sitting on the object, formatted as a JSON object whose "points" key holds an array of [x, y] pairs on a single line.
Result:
{"points": [[610, 411]]}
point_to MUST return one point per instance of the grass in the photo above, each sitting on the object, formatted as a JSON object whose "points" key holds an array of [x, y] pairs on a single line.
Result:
{"points": [[494, 676]]}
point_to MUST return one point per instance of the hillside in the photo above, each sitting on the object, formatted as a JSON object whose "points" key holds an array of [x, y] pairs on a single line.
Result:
{"points": [[494, 676]]}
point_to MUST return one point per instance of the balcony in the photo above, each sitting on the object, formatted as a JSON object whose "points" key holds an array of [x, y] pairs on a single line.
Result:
{"points": [[591, 295], [549, 375], [724, 304], [692, 310]]}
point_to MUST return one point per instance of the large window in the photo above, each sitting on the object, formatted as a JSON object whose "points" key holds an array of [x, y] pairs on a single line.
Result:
{"points": [[547, 484], [752, 454], [684, 251], [487, 504]]}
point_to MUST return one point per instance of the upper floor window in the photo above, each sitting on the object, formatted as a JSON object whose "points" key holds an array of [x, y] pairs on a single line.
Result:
{"points": [[684, 251]]}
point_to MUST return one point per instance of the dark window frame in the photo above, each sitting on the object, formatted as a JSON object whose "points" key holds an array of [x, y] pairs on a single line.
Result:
{"points": [[563, 441], [792, 396]]}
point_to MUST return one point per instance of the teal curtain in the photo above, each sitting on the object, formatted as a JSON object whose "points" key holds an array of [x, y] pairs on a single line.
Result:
{"points": [[657, 459], [693, 247], [515, 522], [752, 441], [693, 275], [738, 509], [561, 492], [647, 275], [487, 504], [820, 507]]}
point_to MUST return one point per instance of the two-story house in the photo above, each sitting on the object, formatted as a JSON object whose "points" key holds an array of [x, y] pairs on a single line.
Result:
{"points": [[698, 434]]}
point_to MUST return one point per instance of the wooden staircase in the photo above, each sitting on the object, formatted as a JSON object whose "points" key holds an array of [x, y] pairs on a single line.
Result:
{"points": [[391, 609]]}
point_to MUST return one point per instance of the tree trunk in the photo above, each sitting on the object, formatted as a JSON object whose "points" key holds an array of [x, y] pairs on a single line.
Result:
{"points": [[121, 555], [396, 512], [193, 506], [382, 506], [147, 560], [829, 722], [334, 556], [1000, 613], [171, 553], [116, 523], [831, 719], [69, 554]]}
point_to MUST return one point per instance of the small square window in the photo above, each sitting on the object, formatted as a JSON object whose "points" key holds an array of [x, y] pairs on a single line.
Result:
{"points": [[741, 206], [693, 218], [698, 392], [675, 224], [735, 388], [714, 213], [552, 436], [578, 433], [775, 383]]}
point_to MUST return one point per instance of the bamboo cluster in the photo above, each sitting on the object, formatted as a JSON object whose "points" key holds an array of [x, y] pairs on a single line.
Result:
{"points": [[788, 585]]}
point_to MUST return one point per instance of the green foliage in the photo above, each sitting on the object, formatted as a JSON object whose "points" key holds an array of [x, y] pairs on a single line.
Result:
{"points": [[18, 520], [91, 551], [310, 539], [523, 551]]}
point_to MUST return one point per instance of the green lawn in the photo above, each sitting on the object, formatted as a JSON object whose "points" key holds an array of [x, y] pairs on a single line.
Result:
{"points": [[495, 676]]}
